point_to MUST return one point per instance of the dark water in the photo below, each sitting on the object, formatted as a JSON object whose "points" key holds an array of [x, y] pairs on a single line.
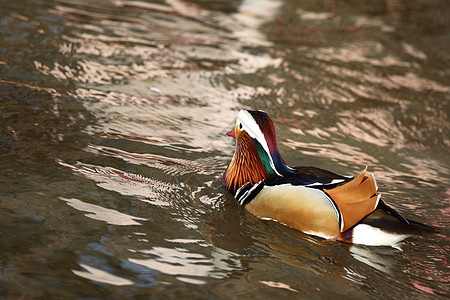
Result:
{"points": [[112, 144]]}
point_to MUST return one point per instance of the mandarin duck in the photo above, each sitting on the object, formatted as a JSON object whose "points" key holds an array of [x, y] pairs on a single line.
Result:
{"points": [[309, 199]]}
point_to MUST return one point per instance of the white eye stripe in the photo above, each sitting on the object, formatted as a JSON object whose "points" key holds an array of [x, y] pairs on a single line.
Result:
{"points": [[252, 128]]}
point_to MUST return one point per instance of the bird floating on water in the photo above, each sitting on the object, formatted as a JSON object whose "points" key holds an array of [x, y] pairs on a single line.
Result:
{"points": [[309, 199]]}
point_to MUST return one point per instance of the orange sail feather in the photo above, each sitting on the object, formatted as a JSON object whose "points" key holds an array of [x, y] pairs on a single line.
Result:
{"points": [[355, 199]]}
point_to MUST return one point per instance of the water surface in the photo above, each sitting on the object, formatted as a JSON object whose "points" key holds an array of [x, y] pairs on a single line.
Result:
{"points": [[112, 143]]}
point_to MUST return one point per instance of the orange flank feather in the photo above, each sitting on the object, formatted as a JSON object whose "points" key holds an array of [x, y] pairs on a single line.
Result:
{"points": [[245, 165], [302, 208], [355, 199]]}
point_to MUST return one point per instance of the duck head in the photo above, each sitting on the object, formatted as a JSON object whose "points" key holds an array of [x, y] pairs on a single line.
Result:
{"points": [[256, 156]]}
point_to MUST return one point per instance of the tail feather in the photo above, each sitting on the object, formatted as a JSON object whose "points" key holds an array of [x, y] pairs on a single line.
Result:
{"points": [[390, 210], [422, 229], [385, 227], [392, 222]]}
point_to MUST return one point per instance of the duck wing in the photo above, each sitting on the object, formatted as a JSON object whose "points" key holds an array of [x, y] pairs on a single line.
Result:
{"points": [[354, 198], [317, 176]]}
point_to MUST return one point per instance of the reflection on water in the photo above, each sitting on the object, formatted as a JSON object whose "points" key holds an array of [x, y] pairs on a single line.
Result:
{"points": [[112, 122], [188, 266], [176, 262], [109, 216], [92, 273]]}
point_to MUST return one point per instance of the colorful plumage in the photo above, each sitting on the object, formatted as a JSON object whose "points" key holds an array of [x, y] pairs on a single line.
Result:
{"points": [[309, 199]]}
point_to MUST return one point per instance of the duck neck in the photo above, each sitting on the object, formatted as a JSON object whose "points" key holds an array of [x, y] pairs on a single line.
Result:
{"points": [[274, 164], [282, 168]]}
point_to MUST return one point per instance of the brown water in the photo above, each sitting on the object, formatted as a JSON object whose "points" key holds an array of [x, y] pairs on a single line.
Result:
{"points": [[112, 144]]}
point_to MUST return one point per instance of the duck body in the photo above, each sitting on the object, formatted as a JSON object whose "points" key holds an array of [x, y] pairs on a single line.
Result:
{"points": [[309, 199]]}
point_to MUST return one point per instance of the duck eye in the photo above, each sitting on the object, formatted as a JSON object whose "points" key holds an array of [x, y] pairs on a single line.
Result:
{"points": [[240, 125]]}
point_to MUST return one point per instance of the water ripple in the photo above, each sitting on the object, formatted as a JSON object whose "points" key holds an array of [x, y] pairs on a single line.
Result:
{"points": [[146, 189], [131, 99]]}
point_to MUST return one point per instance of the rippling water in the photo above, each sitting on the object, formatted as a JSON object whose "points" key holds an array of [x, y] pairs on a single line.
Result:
{"points": [[112, 144]]}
